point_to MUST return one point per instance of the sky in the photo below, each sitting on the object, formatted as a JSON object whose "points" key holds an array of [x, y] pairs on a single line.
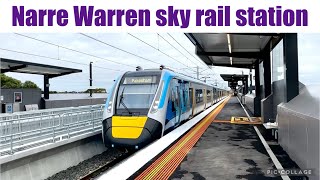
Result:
{"points": [[309, 58], [149, 47]]}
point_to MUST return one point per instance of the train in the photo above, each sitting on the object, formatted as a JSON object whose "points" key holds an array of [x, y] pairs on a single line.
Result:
{"points": [[144, 105]]}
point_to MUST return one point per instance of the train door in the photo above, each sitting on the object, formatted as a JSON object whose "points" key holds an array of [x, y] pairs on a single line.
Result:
{"points": [[204, 98], [209, 97], [212, 98], [182, 96], [186, 107], [187, 100], [191, 104], [214, 95], [173, 110], [178, 106]]}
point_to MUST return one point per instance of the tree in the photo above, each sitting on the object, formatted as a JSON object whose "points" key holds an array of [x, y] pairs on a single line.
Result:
{"points": [[29, 84], [97, 90], [9, 82]]}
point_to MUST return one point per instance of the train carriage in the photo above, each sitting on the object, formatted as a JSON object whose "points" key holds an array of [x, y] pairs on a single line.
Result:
{"points": [[143, 105]]}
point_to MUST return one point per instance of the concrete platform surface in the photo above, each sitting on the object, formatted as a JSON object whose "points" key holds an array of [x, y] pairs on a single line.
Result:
{"points": [[232, 108], [227, 151]]}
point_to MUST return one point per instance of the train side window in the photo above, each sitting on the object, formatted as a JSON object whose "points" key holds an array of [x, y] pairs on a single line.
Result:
{"points": [[199, 96], [185, 98], [188, 105], [208, 95], [190, 97]]}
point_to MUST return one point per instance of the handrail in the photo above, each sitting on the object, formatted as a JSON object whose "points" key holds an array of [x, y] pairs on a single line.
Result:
{"points": [[18, 132], [48, 110]]}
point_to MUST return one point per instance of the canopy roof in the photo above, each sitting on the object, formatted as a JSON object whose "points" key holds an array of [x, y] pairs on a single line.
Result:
{"points": [[9, 65], [233, 50], [233, 77]]}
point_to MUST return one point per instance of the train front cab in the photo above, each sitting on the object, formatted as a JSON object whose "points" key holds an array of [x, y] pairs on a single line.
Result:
{"points": [[126, 121]]}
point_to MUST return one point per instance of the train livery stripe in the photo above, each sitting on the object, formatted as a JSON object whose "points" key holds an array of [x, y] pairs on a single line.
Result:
{"points": [[166, 164], [166, 78]]}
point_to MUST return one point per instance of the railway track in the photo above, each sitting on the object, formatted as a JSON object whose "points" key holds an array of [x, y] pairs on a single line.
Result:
{"points": [[94, 166], [96, 172]]}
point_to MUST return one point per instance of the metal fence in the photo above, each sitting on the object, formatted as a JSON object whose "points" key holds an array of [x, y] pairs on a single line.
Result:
{"points": [[24, 130]]}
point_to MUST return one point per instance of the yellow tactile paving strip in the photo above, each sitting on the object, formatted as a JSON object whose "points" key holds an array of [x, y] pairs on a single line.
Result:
{"points": [[245, 120], [241, 120]]}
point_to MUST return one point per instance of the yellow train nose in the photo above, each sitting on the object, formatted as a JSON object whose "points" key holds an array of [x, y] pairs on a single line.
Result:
{"points": [[128, 127]]}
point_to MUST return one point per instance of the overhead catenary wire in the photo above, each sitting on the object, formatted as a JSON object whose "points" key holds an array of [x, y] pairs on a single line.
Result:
{"points": [[74, 50], [133, 54], [187, 50], [174, 47], [64, 60], [98, 40], [158, 49], [57, 59], [91, 55], [85, 53]]}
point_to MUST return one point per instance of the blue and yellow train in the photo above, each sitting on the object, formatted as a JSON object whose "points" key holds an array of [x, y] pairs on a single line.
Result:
{"points": [[143, 105]]}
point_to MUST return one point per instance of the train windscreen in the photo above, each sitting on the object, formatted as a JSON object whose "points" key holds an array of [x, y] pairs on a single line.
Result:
{"points": [[135, 95]]}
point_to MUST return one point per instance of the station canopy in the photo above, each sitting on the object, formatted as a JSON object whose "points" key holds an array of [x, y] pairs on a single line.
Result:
{"points": [[48, 71], [9, 65], [233, 77], [233, 50], [233, 80]]}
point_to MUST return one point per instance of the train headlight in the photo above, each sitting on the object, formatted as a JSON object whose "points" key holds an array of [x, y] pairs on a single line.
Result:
{"points": [[155, 105], [109, 107]]}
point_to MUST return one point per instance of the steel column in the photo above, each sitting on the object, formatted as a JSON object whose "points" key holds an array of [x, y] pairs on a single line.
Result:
{"points": [[46, 86], [90, 80], [267, 74], [257, 103], [250, 81], [290, 52]]}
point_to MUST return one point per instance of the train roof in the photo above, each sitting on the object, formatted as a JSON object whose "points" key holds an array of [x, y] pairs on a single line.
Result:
{"points": [[144, 72]]}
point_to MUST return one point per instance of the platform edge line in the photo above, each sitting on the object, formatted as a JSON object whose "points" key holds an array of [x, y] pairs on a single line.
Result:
{"points": [[267, 147]]}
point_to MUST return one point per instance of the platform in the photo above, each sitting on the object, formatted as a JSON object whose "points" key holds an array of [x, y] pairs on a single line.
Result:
{"points": [[214, 150]]}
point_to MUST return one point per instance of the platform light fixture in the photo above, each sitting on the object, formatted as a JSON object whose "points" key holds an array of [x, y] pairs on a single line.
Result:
{"points": [[35, 71], [229, 46], [229, 43]]}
